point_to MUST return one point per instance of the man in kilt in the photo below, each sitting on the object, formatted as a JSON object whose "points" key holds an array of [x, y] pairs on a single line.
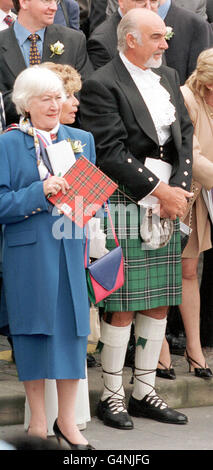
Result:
{"points": [[135, 110]]}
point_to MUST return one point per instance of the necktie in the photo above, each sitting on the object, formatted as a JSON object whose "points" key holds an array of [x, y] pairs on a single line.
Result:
{"points": [[35, 57], [8, 20]]}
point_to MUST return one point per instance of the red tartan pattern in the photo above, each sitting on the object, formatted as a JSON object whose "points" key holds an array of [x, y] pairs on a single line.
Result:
{"points": [[89, 189]]}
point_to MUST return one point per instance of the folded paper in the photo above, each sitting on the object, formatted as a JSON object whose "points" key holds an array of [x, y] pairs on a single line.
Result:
{"points": [[61, 157]]}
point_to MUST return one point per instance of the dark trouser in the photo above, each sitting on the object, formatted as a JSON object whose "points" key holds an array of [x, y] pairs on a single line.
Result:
{"points": [[174, 321]]}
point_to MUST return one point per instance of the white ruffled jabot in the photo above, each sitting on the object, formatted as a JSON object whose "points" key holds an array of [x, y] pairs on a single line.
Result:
{"points": [[156, 97]]}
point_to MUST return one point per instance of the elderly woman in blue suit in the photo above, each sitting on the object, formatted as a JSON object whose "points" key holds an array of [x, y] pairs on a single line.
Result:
{"points": [[44, 275]]}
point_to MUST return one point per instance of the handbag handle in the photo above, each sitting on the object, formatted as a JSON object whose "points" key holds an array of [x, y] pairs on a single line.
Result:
{"points": [[111, 223], [113, 231]]}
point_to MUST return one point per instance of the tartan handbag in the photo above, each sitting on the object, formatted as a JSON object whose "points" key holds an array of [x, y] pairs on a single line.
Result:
{"points": [[106, 274]]}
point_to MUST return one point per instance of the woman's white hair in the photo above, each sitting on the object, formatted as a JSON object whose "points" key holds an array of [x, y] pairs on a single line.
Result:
{"points": [[35, 81], [128, 25]]}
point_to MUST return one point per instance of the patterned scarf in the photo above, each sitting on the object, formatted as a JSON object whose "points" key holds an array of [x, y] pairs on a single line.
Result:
{"points": [[40, 141]]}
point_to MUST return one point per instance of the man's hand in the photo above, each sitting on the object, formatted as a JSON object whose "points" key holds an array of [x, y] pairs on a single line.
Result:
{"points": [[173, 200]]}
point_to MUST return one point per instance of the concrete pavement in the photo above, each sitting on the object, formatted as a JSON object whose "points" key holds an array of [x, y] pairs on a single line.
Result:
{"points": [[147, 434]]}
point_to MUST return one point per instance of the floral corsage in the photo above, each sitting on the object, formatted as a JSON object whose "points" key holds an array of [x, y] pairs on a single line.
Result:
{"points": [[169, 33], [76, 145], [57, 48]]}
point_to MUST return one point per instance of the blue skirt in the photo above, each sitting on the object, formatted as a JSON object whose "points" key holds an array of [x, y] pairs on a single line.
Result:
{"points": [[60, 356]]}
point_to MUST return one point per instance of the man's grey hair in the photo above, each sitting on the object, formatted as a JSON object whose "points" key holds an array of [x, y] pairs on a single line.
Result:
{"points": [[127, 25]]}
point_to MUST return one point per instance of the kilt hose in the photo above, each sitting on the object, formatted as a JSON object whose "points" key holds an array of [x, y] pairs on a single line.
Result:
{"points": [[153, 278]]}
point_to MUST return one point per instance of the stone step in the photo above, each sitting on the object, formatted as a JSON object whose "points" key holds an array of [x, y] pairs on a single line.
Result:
{"points": [[186, 391]]}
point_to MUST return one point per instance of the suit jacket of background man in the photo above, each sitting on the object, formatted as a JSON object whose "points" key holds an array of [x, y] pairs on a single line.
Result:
{"points": [[197, 6], [72, 12], [112, 6], [209, 10], [97, 13], [192, 35], [102, 44], [12, 61], [85, 6], [113, 110]]}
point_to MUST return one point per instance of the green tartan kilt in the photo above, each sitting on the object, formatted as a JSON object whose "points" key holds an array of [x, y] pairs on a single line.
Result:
{"points": [[153, 278]]}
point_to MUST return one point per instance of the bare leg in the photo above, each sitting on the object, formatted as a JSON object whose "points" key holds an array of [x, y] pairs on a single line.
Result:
{"points": [[35, 394], [165, 357], [120, 318], [190, 310], [67, 393]]}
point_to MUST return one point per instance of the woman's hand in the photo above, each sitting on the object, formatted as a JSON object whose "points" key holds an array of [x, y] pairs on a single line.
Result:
{"points": [[54, 184]]}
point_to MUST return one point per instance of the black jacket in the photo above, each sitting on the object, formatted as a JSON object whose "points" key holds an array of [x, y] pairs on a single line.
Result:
{"points": [[192, 35], [114, 111]]}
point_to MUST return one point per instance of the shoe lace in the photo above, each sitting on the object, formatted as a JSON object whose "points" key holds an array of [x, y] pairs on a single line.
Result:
{"points": [[138, 376], [152, 396], [116, 401], [155, 400], [117, 405]]}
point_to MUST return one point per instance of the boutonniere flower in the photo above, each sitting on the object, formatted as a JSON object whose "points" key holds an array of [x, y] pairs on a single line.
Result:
{"points": [[169, 33], [57, 48], [76, 145]]}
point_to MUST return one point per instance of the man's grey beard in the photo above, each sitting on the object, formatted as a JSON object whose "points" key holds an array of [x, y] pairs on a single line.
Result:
{"points": [[152, 63]]}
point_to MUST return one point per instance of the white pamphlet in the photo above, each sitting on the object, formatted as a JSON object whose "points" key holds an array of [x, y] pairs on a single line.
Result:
{"points": [[160, 169], [61, 157]]}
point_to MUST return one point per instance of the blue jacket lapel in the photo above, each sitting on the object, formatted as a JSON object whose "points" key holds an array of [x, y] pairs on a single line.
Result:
{"points": [[67, 132], [29, 143]]}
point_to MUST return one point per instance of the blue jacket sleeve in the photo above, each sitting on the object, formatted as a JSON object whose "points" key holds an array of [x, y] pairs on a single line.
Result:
{"points": [[17, 200]]}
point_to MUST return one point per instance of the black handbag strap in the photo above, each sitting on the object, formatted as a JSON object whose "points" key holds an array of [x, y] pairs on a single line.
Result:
{"points": [[65, 12], [127, 196]]}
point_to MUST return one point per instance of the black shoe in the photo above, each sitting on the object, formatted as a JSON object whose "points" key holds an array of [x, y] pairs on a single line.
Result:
{"points": [[91, 361], [9, 339], [154, 407], [166, 373], [59, 435], [112, 412], [201, 372]]}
